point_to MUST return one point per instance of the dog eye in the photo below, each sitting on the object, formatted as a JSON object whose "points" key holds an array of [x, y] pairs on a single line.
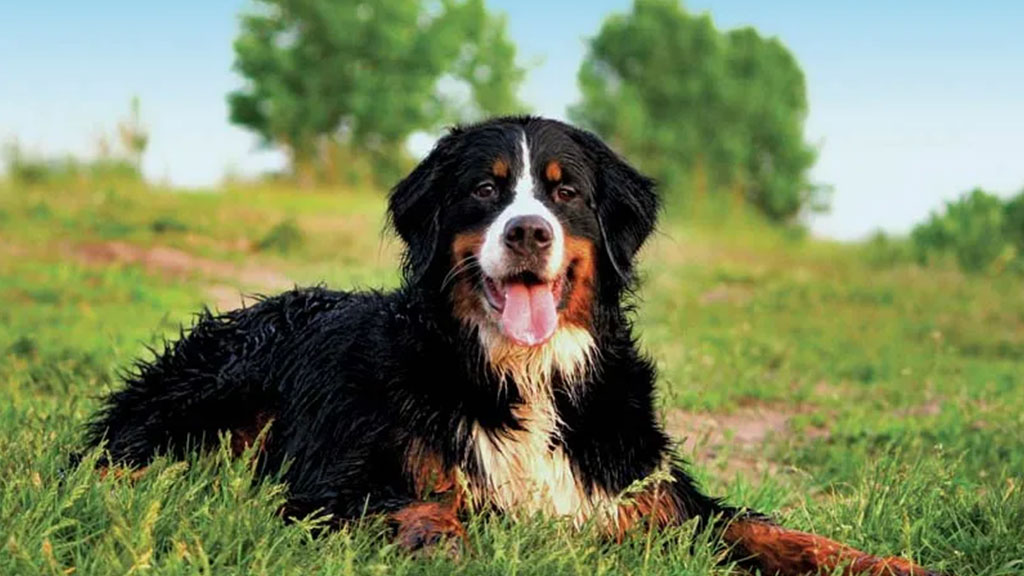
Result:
{"points": [[565, 194], [484, 191]]}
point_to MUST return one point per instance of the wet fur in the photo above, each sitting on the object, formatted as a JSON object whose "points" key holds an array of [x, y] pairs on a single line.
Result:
{"points": [[411, 405]]}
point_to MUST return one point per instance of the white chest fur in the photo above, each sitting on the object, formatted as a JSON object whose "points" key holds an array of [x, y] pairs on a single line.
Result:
{"points": [[524, 470], [521, 470]]}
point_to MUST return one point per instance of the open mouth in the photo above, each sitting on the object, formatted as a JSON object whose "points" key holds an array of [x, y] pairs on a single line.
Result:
{"points": [[528, 306]]}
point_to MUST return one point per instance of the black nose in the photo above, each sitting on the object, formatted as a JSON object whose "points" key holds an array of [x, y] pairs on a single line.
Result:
{"points": [[528, 234]]}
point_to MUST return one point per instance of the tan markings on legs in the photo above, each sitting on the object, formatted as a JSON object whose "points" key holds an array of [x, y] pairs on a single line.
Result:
{"points": [[244, 437], [424, 524], [429, 474], [790, 552], [119, 472], [657, 506]]}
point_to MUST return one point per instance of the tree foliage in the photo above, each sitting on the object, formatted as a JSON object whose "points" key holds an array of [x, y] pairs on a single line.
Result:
{"points": [[981, 231], [365, 75], [701, 109]]}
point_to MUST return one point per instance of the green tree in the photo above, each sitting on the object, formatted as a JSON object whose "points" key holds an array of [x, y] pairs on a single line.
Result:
{"points": [[701, 109], [1014, 222], [972, 228], [366, 75], [766, 104]]}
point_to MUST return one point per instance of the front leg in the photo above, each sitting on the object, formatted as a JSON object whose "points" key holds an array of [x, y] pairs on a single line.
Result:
{"points": [[755, 541], [762, 544], [417, 522], [423, 525], [364, 475]]}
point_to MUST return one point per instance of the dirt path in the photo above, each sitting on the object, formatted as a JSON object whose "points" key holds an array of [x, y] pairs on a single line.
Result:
{"points": [[740, 438], [227, 277]]}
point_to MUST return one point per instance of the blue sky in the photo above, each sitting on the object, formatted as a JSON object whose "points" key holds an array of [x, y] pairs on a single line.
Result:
{"points": [[912, 102]]}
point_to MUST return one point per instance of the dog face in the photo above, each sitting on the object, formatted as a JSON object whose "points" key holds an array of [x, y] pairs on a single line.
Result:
{"points": [[525, 225]]}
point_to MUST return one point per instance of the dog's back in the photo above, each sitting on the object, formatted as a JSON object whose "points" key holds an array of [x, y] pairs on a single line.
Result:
{"points": [[225, 372]]}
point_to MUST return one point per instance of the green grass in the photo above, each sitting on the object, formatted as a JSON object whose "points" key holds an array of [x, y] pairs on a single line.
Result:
{"points": [[902, 389]]}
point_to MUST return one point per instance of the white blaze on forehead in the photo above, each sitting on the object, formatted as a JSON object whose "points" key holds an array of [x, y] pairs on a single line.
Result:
{"points": [[524, 203], [525, 184]]}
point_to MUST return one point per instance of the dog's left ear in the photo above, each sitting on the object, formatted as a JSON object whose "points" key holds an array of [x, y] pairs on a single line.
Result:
{"points": [[414, 209], [626, 202]]}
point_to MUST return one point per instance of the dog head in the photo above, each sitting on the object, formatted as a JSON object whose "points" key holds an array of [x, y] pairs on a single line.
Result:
{"points": [[526, 225]]}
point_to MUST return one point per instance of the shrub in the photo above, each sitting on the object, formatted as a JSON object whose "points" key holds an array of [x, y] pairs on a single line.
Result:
{"points": [[284, 237], [882, 250], [1013, 223], [977, 229], [167, 224]]}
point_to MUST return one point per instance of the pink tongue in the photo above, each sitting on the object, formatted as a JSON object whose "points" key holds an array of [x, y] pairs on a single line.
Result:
{"points": [[529, 317]]}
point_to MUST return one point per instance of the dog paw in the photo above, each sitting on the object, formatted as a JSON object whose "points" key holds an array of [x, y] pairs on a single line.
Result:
{"points": [[868, 565], [429, 526], [896, 566]]}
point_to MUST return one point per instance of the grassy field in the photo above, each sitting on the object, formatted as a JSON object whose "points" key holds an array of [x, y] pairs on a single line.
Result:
{"points": [[883, 406]]}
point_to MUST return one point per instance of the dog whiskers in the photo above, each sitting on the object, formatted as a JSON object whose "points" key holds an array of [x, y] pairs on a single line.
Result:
{"points": [[467, 264]]}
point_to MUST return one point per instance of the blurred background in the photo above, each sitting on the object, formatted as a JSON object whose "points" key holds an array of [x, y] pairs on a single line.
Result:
{"points": [[902, 107], [834, 298]]}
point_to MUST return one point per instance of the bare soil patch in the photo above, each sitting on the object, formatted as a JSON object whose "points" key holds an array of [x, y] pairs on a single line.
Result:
{"points": [[726, 294], [173, 262], [739, 438]]}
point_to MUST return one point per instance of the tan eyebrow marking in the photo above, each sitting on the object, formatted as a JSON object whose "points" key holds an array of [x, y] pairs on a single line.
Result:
{"points": [[500, 168], [553, 172]]}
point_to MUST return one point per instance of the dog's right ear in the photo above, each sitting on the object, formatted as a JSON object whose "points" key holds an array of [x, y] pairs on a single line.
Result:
{"points": [[414, 209], [627, 205]]}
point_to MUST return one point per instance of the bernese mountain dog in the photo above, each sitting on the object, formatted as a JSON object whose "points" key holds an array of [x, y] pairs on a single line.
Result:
{"points": [[504, 374]]}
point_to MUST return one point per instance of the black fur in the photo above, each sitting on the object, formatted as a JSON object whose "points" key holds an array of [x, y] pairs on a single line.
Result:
{"points": [[626, 205], [352, 380]]}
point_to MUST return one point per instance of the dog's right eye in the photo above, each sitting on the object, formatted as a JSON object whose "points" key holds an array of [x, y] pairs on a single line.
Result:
{"points": [[485, 191]]}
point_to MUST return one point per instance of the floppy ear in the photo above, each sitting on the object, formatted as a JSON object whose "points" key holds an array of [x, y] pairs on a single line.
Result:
{"points": [[414, 210], [626, 202]]}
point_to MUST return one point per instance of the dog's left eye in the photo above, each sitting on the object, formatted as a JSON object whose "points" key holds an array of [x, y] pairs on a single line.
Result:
{"points": [[484, 191], [565, 193]]}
